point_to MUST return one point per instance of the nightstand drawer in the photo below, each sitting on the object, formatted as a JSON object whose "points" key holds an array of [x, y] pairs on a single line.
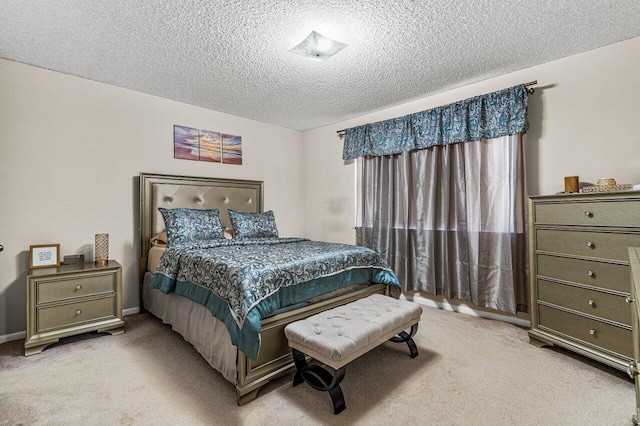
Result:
{"points": [[588, 272], [603, 245], [69, 288], [612, 213], [603, 305], [74, 313], [606, 336]]}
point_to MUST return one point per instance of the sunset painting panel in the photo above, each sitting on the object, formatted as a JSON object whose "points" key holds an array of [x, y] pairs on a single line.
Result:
{"points": [[185, 143], [210, 146], [231, 149], [205, 145]]}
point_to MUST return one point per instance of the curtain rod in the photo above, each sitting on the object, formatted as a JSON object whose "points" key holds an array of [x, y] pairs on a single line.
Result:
{"points": [[530, 90]]}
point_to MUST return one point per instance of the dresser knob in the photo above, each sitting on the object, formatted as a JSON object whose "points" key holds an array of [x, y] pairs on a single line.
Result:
{"points": [[78, 312], [592, 303], [587, 213], [592, 332], [78, 287], [590, 244], [628, 299], [591, 274]]}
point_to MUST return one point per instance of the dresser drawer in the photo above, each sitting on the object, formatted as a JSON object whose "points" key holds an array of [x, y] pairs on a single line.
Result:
{"points": [[68, 288], [588, 272], [603, 305], [74, 313], [606, 336], [603, 245], [595, 213]]}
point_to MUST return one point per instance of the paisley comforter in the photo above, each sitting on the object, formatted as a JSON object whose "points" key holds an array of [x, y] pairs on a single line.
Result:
{"points": [[243, 281]]}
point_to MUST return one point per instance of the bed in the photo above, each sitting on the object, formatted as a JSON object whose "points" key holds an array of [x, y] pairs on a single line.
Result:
{"points": [[238, 359]]}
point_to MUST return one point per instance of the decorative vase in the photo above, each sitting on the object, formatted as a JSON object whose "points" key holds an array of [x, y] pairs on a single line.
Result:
{"points": [[102, 249]]}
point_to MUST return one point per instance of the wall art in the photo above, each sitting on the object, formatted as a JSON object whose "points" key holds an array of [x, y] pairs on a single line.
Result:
{"points": [[205, 145]]}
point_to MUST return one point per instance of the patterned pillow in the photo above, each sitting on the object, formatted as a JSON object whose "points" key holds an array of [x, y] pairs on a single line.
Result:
{"points": [[189, 225], [253, 225]]}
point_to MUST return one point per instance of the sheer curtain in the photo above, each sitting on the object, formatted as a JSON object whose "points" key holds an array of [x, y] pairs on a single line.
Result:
{"points": [[450, 220]]}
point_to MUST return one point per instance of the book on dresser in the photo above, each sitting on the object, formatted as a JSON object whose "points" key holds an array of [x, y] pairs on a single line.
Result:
{"points": [[579, 272], [72, 299]]}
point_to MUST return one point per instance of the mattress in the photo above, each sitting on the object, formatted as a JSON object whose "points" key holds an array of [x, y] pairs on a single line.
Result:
{"points": [[155, 253], [244, 281]]}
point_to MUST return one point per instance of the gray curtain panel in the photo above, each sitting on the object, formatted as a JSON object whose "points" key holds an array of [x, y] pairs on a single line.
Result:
{"points": [[450, 220]]}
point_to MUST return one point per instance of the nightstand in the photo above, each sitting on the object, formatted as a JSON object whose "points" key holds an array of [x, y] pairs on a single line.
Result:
{"points": [[72, 299]]}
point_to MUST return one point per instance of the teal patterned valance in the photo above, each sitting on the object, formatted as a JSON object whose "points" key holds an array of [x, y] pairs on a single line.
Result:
{"points": [[488, 116]]}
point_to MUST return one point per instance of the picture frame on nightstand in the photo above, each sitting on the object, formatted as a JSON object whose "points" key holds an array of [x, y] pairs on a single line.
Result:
{"points": [[44, 256]]}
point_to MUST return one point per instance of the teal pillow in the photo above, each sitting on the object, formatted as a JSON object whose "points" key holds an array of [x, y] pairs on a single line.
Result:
{"points": [[191, 225], [253, 225]]}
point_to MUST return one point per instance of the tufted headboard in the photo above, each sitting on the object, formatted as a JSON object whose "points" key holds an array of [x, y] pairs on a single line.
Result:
{"points": [[192, 192]]}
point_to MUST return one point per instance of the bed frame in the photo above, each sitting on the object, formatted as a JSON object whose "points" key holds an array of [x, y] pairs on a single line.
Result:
{"points": [[274, 359]]}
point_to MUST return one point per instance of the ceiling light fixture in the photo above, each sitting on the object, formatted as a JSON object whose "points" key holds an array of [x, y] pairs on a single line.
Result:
{"points": [[318, 47]]}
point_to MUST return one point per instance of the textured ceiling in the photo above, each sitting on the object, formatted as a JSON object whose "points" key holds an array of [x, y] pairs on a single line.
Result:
{"points": [[233, 56]]}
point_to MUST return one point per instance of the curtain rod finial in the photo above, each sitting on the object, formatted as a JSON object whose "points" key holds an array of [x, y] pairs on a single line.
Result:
{"points": [[530, 90]]}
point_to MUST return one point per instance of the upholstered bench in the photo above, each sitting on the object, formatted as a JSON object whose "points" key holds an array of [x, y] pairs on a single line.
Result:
{"points": [[340, 335]]}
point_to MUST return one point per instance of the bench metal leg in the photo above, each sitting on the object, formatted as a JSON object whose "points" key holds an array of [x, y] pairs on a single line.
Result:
{"points": [[320, 379], [404, 337]]}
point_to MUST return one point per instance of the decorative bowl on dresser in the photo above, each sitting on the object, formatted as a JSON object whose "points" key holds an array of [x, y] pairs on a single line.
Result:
{"points": [[72, 299], [579, 272]]}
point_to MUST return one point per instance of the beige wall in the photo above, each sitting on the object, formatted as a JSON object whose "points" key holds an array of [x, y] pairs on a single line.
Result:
{"points": [[583, 121], [71, 150]]}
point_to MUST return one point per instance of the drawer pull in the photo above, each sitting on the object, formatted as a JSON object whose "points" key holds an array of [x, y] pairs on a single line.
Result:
{"points": [[590, 244], [78, 312], [591, 274], [587, 213], [592, 332], [78, 287], [632, 369], [629, 300], [592, 303]]}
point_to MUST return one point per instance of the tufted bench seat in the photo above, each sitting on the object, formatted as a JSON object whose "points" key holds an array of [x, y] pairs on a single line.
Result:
{"points": [[340, 335]]}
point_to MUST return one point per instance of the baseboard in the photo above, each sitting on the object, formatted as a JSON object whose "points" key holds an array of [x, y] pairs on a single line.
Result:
{"points": [[13, 336], [22, 334], [130, 311], [421, 300], [467, 310]]}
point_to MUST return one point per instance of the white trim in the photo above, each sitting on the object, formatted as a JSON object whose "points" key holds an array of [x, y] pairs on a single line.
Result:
{"points": [[130, 311], [467, 310], [418, 299], [22, 334], [13, 336]]}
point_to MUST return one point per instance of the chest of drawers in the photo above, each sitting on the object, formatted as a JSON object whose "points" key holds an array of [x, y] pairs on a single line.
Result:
{"points": [[72, 299], [579, 272], [634, 259]]}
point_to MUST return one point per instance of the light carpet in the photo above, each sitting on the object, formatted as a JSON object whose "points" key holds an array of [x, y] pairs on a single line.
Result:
{"points": [[470, 371]]}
